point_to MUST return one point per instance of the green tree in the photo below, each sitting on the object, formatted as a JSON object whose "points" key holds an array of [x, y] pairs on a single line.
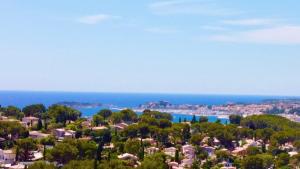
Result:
{"points": [[141, 153], [13, 111], [282, 160], [97, 120], [203, 119], [39, 124], [143, 130], [62, 114], [296, 144], [264, 134], [164, 123], [116, 118], [131, 131], [105, 113], [25, 146], [88, 164], [47, 141], [62, 153], [186, 133], [157, 115], [177, 159], [128, 115], [201, 154], [132, 146], [252, 162], [86, 149], [196, 139], [194, 120], [156, 161], [223, 156], [251, 150], [11, 130], [35, 110], [295, 160], [84, 164], [235, 119], [162, 136], [195, 165], [268, 160], [41, 165], [104, 135]]}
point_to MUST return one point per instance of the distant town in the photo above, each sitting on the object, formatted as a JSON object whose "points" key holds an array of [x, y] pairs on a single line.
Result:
{"points": [[289, 108]]}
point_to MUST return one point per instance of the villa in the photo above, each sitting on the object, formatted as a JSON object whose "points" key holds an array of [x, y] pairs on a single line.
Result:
{"points": [[29, 121]]}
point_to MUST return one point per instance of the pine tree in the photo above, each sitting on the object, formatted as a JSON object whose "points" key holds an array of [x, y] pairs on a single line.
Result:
{"points": [[177, 156], [194, 120], [40, 124], [142, 150]]}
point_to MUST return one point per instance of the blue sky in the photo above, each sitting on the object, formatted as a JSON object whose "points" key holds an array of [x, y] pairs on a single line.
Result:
{"points": [[166, 46]]}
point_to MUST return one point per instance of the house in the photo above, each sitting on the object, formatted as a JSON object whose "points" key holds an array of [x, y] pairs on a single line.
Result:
{"points": [[7, 156], [188, 151], [152, 150], [252, 143], [173, 164], [86, 124], [287, 147], [128, 156], [171, 151], [239, 151], [187, 163], [3, 118], [216, 142], [227, 165], [120, 126], [37, 155], [29, 121], [14, 166], [70, 134], [293, 153], [62, 133], [59, 133], [210, 150], [109, 146], [98, 128], [37, 135], [189, 154], [149, 140]]}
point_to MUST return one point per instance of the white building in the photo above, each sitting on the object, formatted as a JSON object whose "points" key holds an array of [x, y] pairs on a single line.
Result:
{"points": [[7, 156], [128, 156], [62, 133], [37, 135], [171, 151], [29, 121]]}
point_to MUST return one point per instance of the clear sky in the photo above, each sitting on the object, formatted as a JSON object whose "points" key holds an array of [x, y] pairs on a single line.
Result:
{"points": [[166, 46]]}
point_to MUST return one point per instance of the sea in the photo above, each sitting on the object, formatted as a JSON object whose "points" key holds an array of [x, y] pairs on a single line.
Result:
{"points": [[118, 101]]}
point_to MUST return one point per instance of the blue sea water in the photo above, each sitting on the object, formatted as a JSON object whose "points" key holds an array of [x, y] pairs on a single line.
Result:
{"points": [[122, 100]]}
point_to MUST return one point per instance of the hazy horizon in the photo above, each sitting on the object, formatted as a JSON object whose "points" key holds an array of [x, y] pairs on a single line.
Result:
{"points": [[149, 93]]}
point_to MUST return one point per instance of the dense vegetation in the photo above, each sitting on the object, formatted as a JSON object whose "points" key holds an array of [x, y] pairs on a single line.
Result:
{"points": [[89, 148]]}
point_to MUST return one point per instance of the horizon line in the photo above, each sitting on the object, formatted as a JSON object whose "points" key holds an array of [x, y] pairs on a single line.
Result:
{"points": [[154, 93]]}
